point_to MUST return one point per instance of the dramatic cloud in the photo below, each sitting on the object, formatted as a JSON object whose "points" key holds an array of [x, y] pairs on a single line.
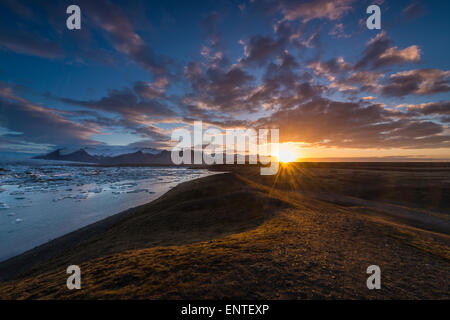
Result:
{"points": [[379, 53], [261, 48], [218, 89], [342, 76], [114, 21], [283, 86], [419, 129], [38, 124], [127, 103], [137, 112], [368, 81], [362, 81], [232, 90], [323, 122], [239, 71], [396, 56], [420, 82]]}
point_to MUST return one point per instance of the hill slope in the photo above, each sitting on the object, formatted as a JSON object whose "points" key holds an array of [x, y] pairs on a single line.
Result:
{"points": [[235, 236]]}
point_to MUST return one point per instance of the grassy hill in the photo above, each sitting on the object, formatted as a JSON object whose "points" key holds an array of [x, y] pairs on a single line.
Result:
{"points": [[239, 235]]}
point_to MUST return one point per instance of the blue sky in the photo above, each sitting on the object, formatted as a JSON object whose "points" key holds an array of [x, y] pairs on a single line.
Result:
{"points": [[138, 69]]}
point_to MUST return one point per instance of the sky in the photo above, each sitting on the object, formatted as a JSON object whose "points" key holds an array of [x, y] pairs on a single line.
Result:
{"points": [[137, 70]]}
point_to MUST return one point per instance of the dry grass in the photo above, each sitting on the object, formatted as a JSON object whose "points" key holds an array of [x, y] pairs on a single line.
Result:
{"points": [[239, 236]]}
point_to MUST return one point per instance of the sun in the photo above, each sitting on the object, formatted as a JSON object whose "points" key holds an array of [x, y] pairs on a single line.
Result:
{"points": [[286, 155]]}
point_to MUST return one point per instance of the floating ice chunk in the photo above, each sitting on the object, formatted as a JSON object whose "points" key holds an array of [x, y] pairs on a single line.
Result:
{"points": [[16, 193], [96, 190], [3, 206], [137, 191], [80, 197], [60, 198], [19, 220]]}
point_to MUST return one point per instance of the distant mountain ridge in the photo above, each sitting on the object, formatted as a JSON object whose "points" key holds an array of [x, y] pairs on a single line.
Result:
{"points": [[110, 155], [115, 155]]}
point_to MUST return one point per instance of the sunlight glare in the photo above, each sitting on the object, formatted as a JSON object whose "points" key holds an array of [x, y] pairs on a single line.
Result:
{"points": [[286, 155]]}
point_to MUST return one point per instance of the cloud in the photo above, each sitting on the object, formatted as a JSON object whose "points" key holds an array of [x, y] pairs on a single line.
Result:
{"points": [[107, 16], [327, 123], [277, 79], [431, 108], [150, 144], [38, 124], [259, 49], [419, 129], [338, 31], [344, 77], [210, 25], [331, 68], [154, 90], [396, 56], [445, 119], [413, 11], [368, 81], [218, 89], [113, 20], [192, 70], [420, 82], [30, 44], [358, 82], [380, 53], [318, 9], [126, 102], [213, 48], [283, 86], [136, 108]]}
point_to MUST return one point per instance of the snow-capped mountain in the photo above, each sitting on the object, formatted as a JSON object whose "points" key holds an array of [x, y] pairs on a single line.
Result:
{"points": [[115, 155], [109, 151], [110, 155]]}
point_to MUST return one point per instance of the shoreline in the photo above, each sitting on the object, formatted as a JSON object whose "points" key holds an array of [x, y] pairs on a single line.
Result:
{"points": [[160, 190]]}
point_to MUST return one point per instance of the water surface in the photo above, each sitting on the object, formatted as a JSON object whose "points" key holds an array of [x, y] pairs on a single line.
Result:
{"points": [[39, 203]]}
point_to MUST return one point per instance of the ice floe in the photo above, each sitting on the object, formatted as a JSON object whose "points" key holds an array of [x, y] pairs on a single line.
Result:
{"points": [[137, 191], [3, 206]]}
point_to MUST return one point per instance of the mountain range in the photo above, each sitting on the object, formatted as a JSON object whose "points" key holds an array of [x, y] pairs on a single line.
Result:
{"points": [[110, 155]]}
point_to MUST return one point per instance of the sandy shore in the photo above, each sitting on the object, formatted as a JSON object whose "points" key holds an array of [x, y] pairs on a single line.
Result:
{"points": [[306, 233]]}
